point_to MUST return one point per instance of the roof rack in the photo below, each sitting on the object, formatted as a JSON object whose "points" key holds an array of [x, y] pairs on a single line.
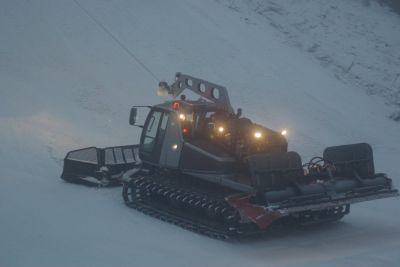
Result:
{"points": [[210, 91]]}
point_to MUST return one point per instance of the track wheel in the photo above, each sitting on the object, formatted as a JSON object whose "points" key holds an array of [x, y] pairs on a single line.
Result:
{"points": [[134, 192]]}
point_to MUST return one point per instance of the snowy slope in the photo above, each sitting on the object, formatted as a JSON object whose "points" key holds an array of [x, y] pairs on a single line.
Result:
{"points": [[357, 41], [65, 82]]}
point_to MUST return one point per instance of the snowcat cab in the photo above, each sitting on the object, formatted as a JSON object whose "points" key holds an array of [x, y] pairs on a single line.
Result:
{"points": [[202, 166]]}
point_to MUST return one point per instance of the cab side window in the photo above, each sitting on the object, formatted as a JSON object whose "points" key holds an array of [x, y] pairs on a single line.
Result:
{"points": [[150, 131]]}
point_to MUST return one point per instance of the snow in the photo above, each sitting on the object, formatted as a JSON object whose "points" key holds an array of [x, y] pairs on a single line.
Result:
{"points": [[65, 83], [355, 40]]}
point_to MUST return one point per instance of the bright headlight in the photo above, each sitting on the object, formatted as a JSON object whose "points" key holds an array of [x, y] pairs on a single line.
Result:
{"points": [[284, 132], [182, 116], [221, 129], [257, 135]]}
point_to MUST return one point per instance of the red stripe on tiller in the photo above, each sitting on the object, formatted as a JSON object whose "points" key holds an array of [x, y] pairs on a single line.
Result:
{"points": [[258, 214]]}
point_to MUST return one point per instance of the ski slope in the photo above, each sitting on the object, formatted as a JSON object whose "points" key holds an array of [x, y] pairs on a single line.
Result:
{"points": [[69, 72]]}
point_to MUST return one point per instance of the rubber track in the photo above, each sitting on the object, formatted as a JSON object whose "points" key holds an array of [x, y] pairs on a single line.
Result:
{"points": [[185, 223], [146, 188], [213, 229]]}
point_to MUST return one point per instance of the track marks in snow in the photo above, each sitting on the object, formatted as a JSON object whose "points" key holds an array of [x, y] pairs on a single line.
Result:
{"points": [[90, 99], [352, 40]]}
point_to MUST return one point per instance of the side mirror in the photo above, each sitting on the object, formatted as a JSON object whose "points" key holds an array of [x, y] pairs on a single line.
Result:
{"points": [[239, 113], [132, 116]]}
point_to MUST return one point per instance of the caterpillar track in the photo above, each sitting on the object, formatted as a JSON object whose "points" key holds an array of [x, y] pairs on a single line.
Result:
{"points": [[179, 203], [182, 206]]}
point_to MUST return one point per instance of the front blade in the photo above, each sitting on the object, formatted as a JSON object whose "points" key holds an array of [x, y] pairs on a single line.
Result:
{"points": [[87, 165]]}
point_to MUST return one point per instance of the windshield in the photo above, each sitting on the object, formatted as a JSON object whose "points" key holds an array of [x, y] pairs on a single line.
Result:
{"points": [[208, 125]]}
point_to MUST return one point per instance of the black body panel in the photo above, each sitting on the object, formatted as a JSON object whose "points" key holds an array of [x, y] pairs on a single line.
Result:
{"points": [[212, 160], [276, 170], [351, 160]]}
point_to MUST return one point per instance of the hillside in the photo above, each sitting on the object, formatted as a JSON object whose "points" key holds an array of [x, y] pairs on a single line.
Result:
{"points": [[71, 70]]}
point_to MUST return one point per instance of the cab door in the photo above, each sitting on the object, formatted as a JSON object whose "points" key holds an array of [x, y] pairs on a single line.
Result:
{"points": [[152, 137]]}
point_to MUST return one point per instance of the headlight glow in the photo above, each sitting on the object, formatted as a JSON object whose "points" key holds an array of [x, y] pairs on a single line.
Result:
{"points": [[221, 129], [258, 135], [182, 116], [284, 132]]}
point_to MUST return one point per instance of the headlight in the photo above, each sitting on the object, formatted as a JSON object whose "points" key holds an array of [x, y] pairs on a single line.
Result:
{"points": [[182, 116], [221, 129], [257, 135], [284, 132]]}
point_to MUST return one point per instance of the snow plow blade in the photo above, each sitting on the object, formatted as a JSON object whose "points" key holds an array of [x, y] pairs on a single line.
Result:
{"points": [[345, 175], [93, 166]]}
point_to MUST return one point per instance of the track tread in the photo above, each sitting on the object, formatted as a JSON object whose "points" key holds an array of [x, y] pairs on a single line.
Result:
{"points": [[143, 186]]}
